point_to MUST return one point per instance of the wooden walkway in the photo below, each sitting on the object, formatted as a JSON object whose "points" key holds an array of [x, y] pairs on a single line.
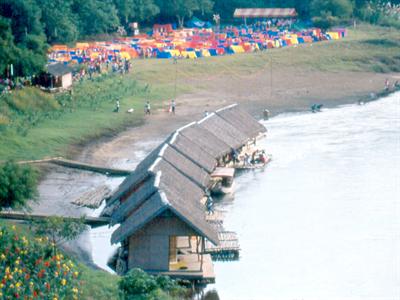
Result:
{"points": [[91, 221], [79, 165], [228, 248]]}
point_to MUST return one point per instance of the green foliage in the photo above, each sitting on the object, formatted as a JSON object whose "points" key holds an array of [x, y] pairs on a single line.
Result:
{"points": [[58, 229], [17, 185], [60, 24], [180, 9], [95, 16], [328, 13], [136, 10], [384, 13], [25, 47], [29, 270], [138, 285]]}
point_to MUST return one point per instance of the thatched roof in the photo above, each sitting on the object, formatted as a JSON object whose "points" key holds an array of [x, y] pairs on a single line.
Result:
{"points": [[240, 119], [182, 200], [224, 131], [206, 140], [186, 166], [146, 190], [192, 151], [138, 175], [58, 69], [173, 176]]}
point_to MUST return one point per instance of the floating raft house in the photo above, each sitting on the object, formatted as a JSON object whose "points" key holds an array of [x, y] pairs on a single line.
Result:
{"points": [[164, 227]]}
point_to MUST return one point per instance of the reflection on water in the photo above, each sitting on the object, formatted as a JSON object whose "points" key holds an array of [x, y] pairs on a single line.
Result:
{"points": [[322, 221]]}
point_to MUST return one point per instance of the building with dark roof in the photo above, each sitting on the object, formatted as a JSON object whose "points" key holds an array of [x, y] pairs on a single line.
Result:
{"points": [[160, 206]]}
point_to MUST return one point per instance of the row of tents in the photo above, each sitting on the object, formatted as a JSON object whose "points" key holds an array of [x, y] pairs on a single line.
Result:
{"points": [[191, 43]]}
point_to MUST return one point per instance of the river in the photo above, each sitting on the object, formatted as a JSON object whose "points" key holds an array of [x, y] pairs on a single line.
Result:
{"points": [[322, 221]]}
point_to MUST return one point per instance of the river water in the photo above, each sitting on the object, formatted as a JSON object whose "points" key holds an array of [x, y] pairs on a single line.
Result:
{"points": [[322, 221]]}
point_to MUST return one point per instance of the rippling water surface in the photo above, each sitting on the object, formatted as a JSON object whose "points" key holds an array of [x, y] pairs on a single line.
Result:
{"points": [[322, 221]]}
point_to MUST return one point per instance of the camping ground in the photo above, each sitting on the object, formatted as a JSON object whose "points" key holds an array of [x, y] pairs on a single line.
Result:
{"points": [[36, 125]]}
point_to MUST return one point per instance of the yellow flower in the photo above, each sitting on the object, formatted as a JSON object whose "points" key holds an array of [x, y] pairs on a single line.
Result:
{"points": [[76, 273], [63, 282], [31, 283], [7, 270], [55, 298], [13, 227], [1, 285], [2, 256], [11, 286], [75, 290], [18, 284]]}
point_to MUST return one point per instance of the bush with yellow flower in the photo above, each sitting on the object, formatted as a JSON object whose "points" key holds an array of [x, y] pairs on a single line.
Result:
{"points": [[29, 269]]}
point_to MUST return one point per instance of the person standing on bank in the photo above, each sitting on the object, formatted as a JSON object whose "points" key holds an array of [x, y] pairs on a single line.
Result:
{"points": [[147, 108], [117, 106], [173, 105]]}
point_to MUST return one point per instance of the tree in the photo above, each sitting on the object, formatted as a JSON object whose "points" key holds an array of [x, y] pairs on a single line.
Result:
{"points": [[60, 24], [205, 6], [327, 13], [7, 46], [136, 10], [59, 229], [181, 9], [95, 16], [23, 17], [17, 185]]}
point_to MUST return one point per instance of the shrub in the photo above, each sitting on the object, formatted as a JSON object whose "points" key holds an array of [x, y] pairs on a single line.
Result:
{"points": [[59, 229], [17, 185], [28, 270], [138, 285]]}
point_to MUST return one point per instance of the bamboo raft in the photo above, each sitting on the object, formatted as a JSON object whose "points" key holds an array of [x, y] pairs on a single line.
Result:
{"points": [[93, 198]]}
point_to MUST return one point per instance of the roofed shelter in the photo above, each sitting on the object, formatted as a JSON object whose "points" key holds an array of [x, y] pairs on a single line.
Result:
{"points": [[265, 13], [57, 76]]}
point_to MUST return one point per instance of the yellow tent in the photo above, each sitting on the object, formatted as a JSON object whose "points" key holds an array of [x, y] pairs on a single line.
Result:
{"points": [[82, 45], [174, 52], [125, 55], [205, 53], [237, 49], [333, 35], [189, 54]]}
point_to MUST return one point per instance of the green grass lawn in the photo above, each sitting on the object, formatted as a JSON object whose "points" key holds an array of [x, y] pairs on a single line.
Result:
{"points": [[34, 125]]}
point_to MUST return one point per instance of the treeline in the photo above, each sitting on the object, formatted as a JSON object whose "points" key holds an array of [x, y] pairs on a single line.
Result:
{"points": [[27, 27]]}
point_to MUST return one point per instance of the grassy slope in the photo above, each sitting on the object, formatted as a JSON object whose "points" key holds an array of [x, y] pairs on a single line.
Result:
{"points": [[36, 126]]}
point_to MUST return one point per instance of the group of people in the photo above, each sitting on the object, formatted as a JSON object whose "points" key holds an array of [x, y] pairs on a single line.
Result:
{"points": [[257, 157], [147, 107], [396, 85], [97, 66]]}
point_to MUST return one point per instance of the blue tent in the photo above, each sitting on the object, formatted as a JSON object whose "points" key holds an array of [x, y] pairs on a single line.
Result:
{"points": [[197, 23], [163, 54], [213, 52]]}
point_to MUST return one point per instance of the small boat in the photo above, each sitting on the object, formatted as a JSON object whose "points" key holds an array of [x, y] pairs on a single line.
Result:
{"points": [[223, 181], [254, 166]]}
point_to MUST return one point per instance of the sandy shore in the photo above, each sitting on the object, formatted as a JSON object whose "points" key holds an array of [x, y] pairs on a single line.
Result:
{"points": [[293, 90]]}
